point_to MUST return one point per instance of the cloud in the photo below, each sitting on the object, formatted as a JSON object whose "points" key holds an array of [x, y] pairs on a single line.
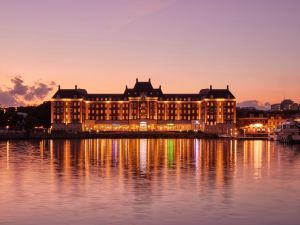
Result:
{"points": [[6, 99], [39, 91], [22, 94], [255, 103], [19, 88]]}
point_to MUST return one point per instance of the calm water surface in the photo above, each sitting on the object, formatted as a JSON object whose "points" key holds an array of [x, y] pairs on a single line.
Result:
{"points": [[140, 181]]}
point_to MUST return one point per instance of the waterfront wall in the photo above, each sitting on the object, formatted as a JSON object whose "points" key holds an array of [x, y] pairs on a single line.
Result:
{"points": [[85, 135]]}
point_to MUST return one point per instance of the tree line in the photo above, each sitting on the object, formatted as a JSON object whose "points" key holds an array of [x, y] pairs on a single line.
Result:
{"points": [[26, 117]]}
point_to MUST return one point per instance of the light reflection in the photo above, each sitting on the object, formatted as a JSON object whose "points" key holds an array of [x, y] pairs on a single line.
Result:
{"points": [[143, 155], [141, 173], [153, 157], [42, 143], [170, 150], [7, 154], [269, 153], [257, 150], [196, 152]]}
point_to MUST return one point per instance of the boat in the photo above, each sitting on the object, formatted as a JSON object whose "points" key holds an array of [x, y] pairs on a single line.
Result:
{"points": [[288, 132]]}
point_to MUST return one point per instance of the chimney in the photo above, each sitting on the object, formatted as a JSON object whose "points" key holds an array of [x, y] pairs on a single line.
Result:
{"points": [[149, 80], [210, 87], [160, 87], [227, 87], [136, 80], [58, 87], [75, 87], [126, 87]]}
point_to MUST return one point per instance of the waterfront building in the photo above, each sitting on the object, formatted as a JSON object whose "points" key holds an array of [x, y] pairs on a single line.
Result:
{"points": [[258, 122], [143, 108], [253, 122]]}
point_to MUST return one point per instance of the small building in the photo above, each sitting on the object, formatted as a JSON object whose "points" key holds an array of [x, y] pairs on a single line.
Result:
{"points": [[286, 105], [253, 122], [258, 122], [276, 107], [295, 107]]}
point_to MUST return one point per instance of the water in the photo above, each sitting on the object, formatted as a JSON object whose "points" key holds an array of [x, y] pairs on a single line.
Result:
{"points": [[141, 181]]}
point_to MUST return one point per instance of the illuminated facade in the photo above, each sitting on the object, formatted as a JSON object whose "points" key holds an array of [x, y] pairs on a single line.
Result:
{"points": [[143, 108]]}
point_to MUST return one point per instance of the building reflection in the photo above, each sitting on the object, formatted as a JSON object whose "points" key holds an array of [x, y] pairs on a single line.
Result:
{"points": [[146, 156], [150, 158], [155, 160], [206, 160], [142, 175], [143, 169]]}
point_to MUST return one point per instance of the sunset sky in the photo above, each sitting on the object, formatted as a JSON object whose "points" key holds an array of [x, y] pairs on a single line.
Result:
{"points": [[184, 45]]}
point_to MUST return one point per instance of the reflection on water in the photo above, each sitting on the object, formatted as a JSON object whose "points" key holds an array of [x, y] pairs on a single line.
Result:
{"points": [[142, 181]]}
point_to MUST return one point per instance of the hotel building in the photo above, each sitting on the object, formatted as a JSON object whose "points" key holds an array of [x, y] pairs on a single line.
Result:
{"points": [[143, 108]]}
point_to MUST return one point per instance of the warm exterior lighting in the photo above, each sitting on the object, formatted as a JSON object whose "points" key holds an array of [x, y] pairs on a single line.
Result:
{"points": [[142, 106], [256, 125]]}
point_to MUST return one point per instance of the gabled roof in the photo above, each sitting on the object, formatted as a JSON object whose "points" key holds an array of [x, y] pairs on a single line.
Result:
{"points": [[216, 93], [143, 88], [70, 93]]}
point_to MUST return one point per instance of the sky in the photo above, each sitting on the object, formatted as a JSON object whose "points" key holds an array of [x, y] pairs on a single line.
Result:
{"points": [[183, 45]]}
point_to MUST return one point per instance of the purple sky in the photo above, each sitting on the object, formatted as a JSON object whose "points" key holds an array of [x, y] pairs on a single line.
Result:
{"points": [[184, 45]]}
